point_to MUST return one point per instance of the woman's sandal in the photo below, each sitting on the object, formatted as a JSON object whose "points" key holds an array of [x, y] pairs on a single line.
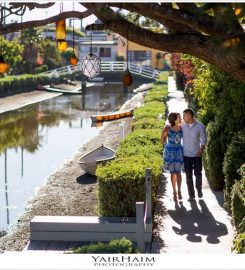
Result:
{"points": [[175, 196]]}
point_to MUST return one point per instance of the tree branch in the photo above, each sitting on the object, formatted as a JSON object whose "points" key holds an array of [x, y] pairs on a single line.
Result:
{"points": [[30, 5], [163, 42], [202, 23], [20, 26]]}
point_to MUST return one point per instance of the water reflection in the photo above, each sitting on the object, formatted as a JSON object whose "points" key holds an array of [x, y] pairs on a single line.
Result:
{"points": [[36, 139]]}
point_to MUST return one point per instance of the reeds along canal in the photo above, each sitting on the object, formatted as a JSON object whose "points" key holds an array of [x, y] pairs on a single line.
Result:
{"points": [[36, 139]]}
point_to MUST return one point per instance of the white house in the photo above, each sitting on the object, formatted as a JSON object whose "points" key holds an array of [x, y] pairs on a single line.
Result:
{"points": [[106, 50]]}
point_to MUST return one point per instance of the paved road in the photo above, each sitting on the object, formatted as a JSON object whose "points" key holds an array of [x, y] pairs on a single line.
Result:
{"points": [[202, 226]]}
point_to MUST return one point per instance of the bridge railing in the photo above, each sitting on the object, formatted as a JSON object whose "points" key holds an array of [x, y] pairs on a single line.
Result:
{"points": [[107, 66]]}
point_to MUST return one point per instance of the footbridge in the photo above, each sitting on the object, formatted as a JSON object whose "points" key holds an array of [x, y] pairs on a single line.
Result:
{"points": [[107, 66]]}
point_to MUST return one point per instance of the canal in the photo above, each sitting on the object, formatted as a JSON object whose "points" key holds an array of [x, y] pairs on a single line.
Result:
{"points": [[36, 139]]}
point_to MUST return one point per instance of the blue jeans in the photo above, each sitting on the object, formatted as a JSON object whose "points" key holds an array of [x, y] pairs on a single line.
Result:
{"points": [[190, 164]]}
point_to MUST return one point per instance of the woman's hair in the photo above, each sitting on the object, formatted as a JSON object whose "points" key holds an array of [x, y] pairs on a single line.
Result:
{"points": [[172, 118]]}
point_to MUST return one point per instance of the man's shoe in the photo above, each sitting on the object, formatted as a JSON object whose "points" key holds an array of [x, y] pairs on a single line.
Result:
{"points": [[200, 195]]}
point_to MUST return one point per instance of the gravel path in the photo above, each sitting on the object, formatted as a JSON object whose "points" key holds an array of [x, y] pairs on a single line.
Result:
{"points": [[62, 194]]}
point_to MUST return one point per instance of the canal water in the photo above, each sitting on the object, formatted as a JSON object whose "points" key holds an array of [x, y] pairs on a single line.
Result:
{"points": [[36, 139]]}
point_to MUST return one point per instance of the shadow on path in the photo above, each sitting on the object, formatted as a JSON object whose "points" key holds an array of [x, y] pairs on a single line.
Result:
{"points": [[196, 222]]}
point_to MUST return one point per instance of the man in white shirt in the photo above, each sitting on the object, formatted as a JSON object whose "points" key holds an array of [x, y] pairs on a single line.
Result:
{"points": [[194, 141]]}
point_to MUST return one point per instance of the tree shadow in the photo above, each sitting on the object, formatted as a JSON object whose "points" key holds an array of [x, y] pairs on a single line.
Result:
{"points": [[86, 179], [196, 222]]}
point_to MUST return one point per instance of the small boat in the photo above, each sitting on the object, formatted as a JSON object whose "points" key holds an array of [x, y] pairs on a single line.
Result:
{"points": [[111, 116], [99, 155], [75, 91]]}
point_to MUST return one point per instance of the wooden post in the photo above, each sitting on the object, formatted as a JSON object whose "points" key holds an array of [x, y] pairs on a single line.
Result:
{"points": [[140, 226], [148, 193]]}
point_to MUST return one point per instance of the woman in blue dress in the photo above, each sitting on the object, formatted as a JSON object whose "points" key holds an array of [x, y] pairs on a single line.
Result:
{"points": [[173, 152]]}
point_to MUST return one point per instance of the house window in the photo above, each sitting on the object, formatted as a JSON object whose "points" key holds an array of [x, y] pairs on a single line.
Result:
{"points": [[105, 52], [140, 57]]}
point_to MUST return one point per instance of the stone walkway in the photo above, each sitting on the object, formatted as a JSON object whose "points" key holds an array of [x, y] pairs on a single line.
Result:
{"points": [[202, 226]]}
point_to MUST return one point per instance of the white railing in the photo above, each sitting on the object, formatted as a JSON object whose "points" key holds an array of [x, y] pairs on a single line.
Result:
{"points": [[108, 66]]}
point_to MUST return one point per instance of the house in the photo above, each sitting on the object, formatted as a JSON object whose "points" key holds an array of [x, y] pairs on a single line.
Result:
{"points": [[146, 56], [104, 49]]}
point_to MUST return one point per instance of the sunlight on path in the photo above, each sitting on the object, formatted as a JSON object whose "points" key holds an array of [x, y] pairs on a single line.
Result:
{"points": [[202, 226]]}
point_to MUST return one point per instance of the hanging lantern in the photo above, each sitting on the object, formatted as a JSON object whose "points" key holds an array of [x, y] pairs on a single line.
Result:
{"points": [[60, 31], [127, 78], [73, 60], [3, 65], [62, 45], [91, 64]]}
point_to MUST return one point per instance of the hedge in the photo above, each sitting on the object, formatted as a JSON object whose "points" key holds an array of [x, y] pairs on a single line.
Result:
{"points": [[150, 109], [238, 212], [122, 182], [234, 158], [148, 123], [11, 85], [220, 102], [215, 147], [114, 246]]}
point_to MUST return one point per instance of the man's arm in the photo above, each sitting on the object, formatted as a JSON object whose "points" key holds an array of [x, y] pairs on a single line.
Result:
{"points": [[203, 137]]}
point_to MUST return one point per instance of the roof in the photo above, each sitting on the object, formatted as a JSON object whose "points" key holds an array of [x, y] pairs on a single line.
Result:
{"points": [[100, 42]]}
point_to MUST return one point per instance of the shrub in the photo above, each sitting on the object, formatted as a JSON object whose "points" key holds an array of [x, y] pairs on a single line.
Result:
{"points": [[121, 183], [239, 241], [41, 69], [157, 95], [238, 203], [234, 158], [212, 161], [114, 246], [163, 78], [220, 99], [150, 109], [146, 151], [148, 123]]}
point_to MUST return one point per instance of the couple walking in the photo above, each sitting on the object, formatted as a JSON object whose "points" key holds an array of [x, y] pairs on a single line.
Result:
{"points": [[189, 156]]}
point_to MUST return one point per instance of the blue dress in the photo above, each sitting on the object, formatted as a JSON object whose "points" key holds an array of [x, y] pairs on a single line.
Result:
{"points": [[173, 152]]}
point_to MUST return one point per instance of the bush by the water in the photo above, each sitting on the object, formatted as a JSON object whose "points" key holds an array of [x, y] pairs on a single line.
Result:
{"points": [[11, 85], [158, 94], [114, 246], [121, 183], [150, 109], [234, 158], [148, 123]]}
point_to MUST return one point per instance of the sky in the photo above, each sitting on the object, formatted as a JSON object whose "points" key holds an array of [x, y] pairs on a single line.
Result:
{"points": [[54, 10]]}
